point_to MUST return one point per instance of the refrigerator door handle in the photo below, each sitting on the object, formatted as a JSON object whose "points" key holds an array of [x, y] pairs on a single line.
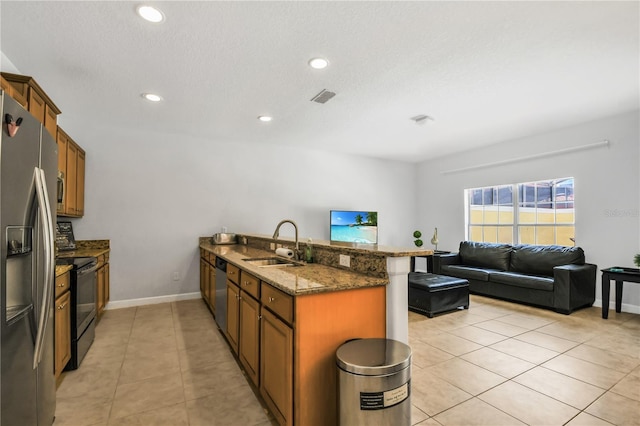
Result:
{"points": [[47, 236]]}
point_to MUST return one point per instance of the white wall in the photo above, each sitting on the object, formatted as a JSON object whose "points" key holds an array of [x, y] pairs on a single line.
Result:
{"points": [[606, 189], [153, 195]]}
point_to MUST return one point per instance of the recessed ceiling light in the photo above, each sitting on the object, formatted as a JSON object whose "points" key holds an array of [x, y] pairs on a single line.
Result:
{"points": [[152, 97], [150, 13], [265, 118], [318, 63]]}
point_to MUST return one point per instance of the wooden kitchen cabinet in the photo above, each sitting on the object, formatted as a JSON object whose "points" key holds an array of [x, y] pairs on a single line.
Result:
{"points": [[212, 285], [102, 284], [30, 95], [233, 315], [276, 366], [71, 163], [208, 279], [62, 324], [249, 336]]}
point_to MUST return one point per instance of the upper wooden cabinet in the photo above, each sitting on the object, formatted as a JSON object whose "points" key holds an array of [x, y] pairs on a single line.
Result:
{"points": [[30, 95], [71, 163]]}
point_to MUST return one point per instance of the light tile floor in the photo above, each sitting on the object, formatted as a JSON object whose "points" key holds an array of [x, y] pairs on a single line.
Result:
{"points": [[497, 363]]}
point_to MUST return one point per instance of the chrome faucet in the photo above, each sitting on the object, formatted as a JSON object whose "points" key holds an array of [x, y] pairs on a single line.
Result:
{"points": [[277, 233]]}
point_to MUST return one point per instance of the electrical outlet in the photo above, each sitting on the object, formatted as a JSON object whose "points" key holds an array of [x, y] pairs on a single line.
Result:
{"points": [[176, 276], [345, 260]]}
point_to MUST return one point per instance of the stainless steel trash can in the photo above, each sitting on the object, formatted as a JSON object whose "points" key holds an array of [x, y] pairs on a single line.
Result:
{"points": [[374, 383]]}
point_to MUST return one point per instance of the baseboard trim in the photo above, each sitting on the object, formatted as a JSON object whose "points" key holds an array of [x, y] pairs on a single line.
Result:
{"points": [[626, 307], [118, 304]]}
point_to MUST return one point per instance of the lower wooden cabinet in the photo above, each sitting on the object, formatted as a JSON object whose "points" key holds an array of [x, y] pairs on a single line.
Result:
{"points": [[249, 339], [208, 279], [62, 324], [233, 315], [276, 367], [212, 286], [102, 284]]}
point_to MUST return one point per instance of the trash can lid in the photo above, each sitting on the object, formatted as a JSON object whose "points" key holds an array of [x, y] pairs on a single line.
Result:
{"points": [[373, 357]]}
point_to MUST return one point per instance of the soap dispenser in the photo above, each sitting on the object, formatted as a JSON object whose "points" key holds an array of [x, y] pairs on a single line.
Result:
{"points": [[308, 253]]}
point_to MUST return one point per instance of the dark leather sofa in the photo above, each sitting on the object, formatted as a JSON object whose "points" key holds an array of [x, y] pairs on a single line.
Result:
{"points": [[554, 277]]}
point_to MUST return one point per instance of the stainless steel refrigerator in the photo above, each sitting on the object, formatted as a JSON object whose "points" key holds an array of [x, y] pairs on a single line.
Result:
{"points": [[28, 177]]}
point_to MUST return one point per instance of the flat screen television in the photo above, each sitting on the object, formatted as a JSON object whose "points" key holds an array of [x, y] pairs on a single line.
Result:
{"points": [[354, 226]]}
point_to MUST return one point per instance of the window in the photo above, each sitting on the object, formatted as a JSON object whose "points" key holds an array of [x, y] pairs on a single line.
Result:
{"points": [[530, 213]]}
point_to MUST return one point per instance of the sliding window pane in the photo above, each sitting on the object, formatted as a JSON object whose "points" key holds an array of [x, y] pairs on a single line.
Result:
{"points": [[490, 234], [527, 215], [490, 214], [527, 234], [505, 234], [476, 214], [475, 233], [563, 235], [545, 235], [505, 215], [545, 215], [565, 216]]}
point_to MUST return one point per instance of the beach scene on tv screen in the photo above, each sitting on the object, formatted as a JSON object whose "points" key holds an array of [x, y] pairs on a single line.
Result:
{"points": [[354, 226]]}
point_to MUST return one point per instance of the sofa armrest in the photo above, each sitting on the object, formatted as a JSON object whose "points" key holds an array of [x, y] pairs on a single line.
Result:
{"points": [[574, 286], [444, 259]]}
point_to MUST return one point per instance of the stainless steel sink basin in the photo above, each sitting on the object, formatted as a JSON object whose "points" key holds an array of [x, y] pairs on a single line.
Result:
{"points": [[264, 262]]}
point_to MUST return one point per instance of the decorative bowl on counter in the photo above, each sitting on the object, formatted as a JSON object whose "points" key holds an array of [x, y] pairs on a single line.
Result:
{"points": [[224, 238]]}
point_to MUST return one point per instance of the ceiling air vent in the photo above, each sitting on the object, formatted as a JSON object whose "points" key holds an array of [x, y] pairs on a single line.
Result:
{"points": [[323, 96]]}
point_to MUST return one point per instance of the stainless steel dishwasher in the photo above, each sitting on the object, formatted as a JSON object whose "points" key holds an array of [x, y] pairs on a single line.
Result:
{"points": [[221, 293]]}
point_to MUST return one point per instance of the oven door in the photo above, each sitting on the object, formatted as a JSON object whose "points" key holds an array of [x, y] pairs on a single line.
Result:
{"points": [[85, 297]]}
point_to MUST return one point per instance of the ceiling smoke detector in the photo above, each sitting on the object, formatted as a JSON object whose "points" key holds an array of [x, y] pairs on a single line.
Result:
{"points": [[323, 96], [422, 119]]}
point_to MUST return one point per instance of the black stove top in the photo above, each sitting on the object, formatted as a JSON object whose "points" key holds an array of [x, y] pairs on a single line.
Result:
{"points": [[76, 262]]}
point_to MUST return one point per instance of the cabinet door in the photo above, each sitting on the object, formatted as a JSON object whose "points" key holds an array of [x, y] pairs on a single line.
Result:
{"points": [[276, 367], [100, 291], [206, 285], [107, 284], [233, 312], [203, 278], [80, 182], [50, 120], [36, 105], [212, 288], [70, 182], [249, 340], [62, 141], [62, 332]]}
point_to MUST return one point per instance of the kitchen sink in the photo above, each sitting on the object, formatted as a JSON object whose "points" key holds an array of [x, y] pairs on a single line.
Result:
{"points": [[273, 261]]}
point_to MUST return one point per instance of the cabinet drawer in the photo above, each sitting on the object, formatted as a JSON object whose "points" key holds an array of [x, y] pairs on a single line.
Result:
{"points": [[62, 283], [233, 273], [250, 284], [278, 302]]}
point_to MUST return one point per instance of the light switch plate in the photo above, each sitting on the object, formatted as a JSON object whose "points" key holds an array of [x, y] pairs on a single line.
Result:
{"points": [[345, 260]]}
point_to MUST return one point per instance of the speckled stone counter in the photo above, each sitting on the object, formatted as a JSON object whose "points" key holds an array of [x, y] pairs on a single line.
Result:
{"points": [[294, 280], [62, 269], [86, 248]]}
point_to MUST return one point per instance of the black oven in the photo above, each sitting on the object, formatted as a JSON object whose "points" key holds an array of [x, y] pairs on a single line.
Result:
{"points": [[83, 307]]}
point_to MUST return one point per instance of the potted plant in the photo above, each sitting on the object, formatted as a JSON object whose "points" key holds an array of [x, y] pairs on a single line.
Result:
{"points": [[418, 242], [636, 260]]}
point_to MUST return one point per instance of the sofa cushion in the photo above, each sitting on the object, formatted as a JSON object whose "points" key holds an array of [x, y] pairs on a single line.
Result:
{"points": [[489, 255], [540, 260], [521, 280], [468, 272]]}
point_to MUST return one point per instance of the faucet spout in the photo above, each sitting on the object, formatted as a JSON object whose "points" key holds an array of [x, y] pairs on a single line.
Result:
{"points": [[295, 227]]}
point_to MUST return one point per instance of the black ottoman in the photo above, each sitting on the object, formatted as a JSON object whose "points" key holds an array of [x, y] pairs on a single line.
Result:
{"points": [[433, 294]]}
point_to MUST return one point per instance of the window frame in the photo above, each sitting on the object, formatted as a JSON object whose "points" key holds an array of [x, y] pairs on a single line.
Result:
{"points": [[518, 207]]}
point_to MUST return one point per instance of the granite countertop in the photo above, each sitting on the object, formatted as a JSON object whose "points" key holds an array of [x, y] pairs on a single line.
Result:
{"points": [[62, 269], [83, 252], [294, 280]]}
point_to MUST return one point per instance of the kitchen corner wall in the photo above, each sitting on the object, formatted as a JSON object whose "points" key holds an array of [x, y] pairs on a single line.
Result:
{"points": [[153, 195], [607, 189]]}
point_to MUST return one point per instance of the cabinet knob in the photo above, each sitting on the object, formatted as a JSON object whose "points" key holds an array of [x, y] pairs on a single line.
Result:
{"points": [[271, 299], [61, 307]]}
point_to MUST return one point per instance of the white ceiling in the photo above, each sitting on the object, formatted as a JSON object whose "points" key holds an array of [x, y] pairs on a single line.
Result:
{"points": [[486, 71]]}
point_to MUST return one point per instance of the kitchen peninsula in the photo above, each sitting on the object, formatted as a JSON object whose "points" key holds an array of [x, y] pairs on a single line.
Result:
{"points": [[285, 323]]}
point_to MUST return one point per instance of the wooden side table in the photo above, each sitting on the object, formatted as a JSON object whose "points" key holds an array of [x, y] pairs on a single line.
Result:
{"points": [[619, 275]]}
